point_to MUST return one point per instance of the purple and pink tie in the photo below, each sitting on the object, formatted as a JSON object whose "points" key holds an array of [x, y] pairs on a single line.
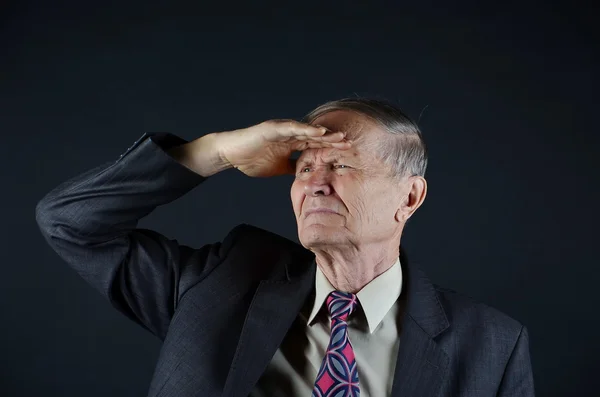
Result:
{"points": [[338, 375]]}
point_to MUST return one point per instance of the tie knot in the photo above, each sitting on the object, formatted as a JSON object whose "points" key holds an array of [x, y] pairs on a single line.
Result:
{"points": [[340, 304]]}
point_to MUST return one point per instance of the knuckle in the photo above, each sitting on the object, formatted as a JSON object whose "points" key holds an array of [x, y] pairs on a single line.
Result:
{"points": [[281, 123]]}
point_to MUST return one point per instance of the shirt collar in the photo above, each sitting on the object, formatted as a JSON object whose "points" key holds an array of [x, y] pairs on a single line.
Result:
{"points": [[376, 298]]}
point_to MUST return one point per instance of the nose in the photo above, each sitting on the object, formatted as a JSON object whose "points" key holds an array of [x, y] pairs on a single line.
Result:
{"points": [[318, 184]]}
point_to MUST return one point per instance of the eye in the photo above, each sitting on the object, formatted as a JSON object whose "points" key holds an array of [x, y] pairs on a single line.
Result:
{"points": [[338, 166], [303, 169]]}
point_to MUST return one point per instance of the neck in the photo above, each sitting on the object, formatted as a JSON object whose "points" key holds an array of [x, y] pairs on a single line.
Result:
{"points": [[350, 268]]}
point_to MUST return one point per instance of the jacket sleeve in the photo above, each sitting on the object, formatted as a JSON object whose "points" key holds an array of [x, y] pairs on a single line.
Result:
{"points": [[90, 221], [518, 376]]}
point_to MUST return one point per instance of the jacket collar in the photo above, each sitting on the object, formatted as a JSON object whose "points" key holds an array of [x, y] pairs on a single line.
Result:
{"points": [[421, 366]]}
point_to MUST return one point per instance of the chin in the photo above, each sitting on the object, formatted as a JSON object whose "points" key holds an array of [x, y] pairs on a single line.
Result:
{"points": [[318, 235]]}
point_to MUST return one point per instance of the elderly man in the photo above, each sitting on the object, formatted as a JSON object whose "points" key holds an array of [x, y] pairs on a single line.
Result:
{"points": [[344, 314]]}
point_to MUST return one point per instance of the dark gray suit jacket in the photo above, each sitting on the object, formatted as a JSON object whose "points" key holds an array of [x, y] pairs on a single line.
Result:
{"points": [[223, 309]]}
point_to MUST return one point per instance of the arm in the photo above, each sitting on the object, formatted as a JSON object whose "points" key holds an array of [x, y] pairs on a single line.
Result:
{"points": [[518, 377], [90, 221]]}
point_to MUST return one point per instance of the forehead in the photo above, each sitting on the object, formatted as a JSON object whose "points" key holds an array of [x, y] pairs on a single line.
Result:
{"points": [[359, 128], [354, 124]]}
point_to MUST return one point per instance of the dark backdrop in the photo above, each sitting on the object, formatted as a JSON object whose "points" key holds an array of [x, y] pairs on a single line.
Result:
{"points": [[506, 97]]}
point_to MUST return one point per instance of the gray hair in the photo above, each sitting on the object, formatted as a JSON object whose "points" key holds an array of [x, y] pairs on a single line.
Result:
{"points": [[406, 154]]}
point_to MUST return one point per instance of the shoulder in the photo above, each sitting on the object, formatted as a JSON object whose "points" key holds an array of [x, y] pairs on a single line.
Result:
{"points": [[264, 249], [250, 238], [468, 315], [479, 335]]}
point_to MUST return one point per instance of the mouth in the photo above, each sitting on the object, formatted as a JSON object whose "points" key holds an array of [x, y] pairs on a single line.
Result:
{"points": [[320, 211]]}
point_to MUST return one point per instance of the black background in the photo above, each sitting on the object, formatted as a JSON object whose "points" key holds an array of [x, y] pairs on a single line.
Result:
{"points": [[504, 93]]}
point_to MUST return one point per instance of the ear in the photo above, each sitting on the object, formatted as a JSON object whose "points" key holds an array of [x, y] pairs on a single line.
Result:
{"points": [[415, 192]]}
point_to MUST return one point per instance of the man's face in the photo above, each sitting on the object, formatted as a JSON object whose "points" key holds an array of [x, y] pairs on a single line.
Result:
{"points": [[345, 197]]}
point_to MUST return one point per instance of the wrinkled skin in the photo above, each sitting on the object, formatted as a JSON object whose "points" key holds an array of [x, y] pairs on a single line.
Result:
{"points": [[358, 238]]}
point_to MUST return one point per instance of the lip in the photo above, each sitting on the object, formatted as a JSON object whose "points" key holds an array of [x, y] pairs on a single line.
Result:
{"points": [[320, 210]]}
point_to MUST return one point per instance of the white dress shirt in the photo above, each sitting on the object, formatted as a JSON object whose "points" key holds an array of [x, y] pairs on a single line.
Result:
{"points": [[373, 329]]}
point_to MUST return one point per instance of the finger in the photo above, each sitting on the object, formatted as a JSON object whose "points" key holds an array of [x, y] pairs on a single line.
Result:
{"points": [[337, 145], [291, 128], [328, 137], [314, 130], [320, 145]]}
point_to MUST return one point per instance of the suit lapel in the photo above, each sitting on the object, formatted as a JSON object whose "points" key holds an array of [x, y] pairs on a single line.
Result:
{"points": [[421, 366], [274, 308]]}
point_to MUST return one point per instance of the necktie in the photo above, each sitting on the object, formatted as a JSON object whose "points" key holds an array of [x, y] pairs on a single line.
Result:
{"points": [[338, 375]]}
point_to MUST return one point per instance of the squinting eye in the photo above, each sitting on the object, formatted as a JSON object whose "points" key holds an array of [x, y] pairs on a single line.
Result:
{"points": [[305, 168], [340, 165]]}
